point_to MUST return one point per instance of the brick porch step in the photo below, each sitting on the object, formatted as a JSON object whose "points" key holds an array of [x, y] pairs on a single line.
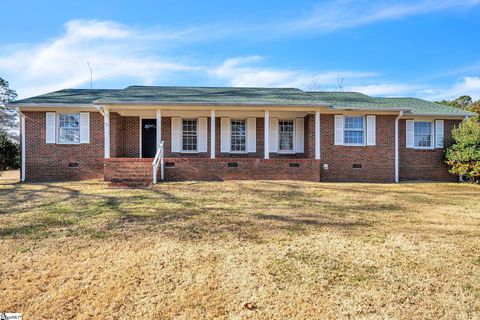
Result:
{"points": [[131, 175]]}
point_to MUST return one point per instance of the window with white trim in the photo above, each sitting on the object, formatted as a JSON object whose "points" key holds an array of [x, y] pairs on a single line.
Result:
{"points": [[238, 140], [285, 135], [354, 130], [189, 135], [69, 128], [422, 137]]}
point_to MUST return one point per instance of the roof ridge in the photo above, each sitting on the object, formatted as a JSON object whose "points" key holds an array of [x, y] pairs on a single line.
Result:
{"points": [[214, 87]]}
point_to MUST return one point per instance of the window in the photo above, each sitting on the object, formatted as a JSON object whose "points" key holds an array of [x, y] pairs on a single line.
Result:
{"points": [[68, 128], [285, 135], [354, 130], [422, 134], [189, 135], [238, 135]]}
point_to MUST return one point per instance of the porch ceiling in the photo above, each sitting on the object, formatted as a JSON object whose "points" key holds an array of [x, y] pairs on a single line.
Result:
{"points": [[207, 113]]}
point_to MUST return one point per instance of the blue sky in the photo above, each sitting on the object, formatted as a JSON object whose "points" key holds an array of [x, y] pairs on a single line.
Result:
{"points": [[426, 49]]}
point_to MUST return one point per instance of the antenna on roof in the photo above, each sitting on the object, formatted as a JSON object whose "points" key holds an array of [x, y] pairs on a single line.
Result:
{"points": [[91, 74], [315, 84], [340, 83]]}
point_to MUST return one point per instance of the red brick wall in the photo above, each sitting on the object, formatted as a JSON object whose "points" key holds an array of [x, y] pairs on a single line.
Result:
{"points": [[418, 164], [51, 161], [309, 139], [116, 135], [47, 162], [166, 137], [131, 137], [377, 161], [216, 169]]}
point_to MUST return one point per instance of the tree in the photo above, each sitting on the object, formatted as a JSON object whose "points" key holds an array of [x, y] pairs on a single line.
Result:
{"points": [[8, 117], [463, 157], [475, 107], [9, 152], [465, 103]]}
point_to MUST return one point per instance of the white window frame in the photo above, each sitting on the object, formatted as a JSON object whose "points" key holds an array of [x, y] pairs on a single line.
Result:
{"points": [[246, 136], [181, 135], [57, 127], [432, 134], [364, 130], [293, 137]]}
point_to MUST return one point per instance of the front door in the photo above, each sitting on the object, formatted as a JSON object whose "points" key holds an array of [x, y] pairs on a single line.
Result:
{"points": [[149, 138]]}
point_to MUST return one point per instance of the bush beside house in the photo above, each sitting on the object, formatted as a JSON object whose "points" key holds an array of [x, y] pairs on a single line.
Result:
{"points": [[463, 157], [9, 152]]}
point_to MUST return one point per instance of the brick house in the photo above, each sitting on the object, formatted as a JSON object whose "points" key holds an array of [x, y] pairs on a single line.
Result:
{"points": [[232, 133]]}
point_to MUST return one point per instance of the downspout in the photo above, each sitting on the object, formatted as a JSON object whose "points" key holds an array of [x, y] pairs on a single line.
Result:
{"points": [[22, 141], [397, 175], [100, 109]]}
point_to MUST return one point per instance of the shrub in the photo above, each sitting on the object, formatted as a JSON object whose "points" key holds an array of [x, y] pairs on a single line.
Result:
{"points": [[463, 157], [9, 153]]}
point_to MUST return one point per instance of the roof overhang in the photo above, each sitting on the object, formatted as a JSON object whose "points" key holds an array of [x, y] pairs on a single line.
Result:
{"points": [[43, 106], [207, 104], [148, 105]]}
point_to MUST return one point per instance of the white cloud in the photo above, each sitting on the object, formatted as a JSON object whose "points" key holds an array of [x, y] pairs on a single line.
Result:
{"points": [[385, 89], [344, 14], [465, 86], [119, 52], [240, 72], [114, 51]]}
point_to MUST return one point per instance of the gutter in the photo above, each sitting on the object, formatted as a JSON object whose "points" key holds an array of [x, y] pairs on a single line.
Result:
{"points": [[19, 104], [220, 104], [397, 169]]}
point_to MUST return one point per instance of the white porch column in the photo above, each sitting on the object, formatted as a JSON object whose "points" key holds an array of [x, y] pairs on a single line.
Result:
{"points": [[159, 128], [397, 169], [317, 135], [266, 129], [212, 134], [22, 134], [106, 133]]}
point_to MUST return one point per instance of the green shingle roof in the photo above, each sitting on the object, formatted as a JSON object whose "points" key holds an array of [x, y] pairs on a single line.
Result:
{"points": [[241, 95], [69, 96]]}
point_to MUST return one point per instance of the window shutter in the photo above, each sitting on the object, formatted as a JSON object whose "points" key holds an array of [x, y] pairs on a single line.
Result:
{"points": [[84, 127], [439, 129], [273, 135], [225, 135], [252, 135], [202, 135], [338, 130], [51, 133], [410, 131], [371, 131], [299, 135], [176, 134]]}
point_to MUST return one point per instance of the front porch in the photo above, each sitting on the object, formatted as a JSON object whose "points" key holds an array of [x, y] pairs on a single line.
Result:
{"points": [[221, 145], [138, 171]]}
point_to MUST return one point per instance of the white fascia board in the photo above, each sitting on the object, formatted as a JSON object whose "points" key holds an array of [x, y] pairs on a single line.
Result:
{"points": [[222, 104], [437, 115], [54, 106]]}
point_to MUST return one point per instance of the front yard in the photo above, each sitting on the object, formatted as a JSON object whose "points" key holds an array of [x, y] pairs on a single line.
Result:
{"points": [[240, 250]]}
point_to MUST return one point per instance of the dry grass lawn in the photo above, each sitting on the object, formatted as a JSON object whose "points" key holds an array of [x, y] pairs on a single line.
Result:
{"points": [[240, 250]]}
